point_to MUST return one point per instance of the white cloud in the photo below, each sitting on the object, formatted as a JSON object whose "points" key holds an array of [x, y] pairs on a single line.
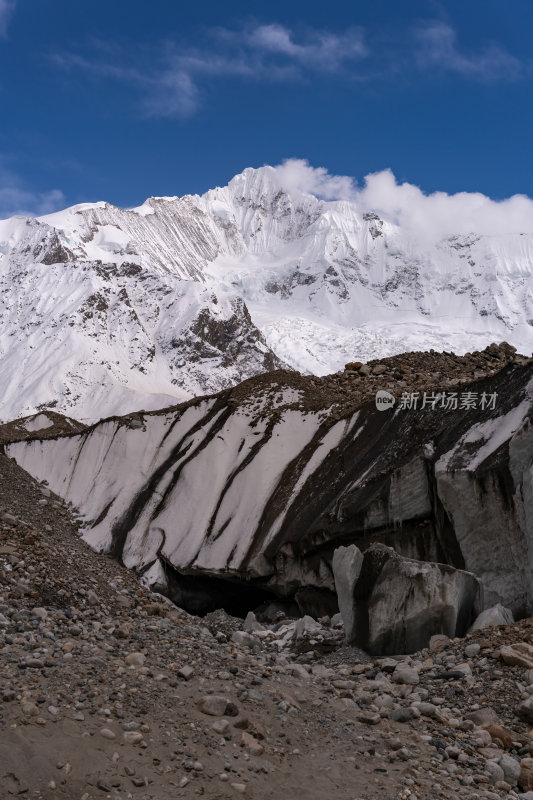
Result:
{"points": [[21, 201], [15, 200], [296, 174], [440, 214], [171, 94], [438, 48], [425, 216], [16, 197], [7, 8], [171, 80], [319, 49], [275, 38]]}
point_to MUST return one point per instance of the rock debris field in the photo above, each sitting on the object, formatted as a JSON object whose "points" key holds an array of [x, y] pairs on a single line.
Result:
{"points": [[109, 691]]}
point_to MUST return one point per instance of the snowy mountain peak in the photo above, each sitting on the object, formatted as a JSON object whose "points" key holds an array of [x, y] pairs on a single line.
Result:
{"points": [[105, 309]]}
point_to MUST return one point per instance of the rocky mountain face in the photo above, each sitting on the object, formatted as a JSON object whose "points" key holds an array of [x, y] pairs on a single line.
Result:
{"points": [[105, 310], [248, 494]]}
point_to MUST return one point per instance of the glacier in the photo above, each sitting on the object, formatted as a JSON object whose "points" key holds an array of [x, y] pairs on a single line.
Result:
{"points": [[259, 484], [105, 310]]}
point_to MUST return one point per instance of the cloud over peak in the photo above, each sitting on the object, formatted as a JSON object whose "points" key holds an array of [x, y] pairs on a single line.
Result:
{"points": [[429, 217], [296, 174]]}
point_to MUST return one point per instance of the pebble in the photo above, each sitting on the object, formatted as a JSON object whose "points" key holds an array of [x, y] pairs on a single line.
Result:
{"points": [[217, 706], [135, 659], [132, 737], [186, 672], [220, 726]]}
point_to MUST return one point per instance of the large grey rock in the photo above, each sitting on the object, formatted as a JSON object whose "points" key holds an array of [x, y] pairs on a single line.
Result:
{"points": [[438, 641], [483, 716], [405, 674], [494, 772], [401, 603], [519, 654], [307, 626], [346, 565], [496, 615], [251, 625], [217, 706], [511, 768]]}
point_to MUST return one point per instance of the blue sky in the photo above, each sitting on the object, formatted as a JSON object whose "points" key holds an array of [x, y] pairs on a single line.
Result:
{"points": [[122, 100]]}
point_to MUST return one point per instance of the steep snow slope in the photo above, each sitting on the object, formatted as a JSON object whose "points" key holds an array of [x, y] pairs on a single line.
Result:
{"points": [[95, 337], [103, 309]]}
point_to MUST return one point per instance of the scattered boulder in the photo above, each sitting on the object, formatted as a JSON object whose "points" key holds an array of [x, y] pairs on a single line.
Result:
{"points": [[404, 714], [217, 706], [494, 772], [405, 674], [135, 659], [186, 672], [251, 744], [483, 716], [307, 626], [400, 603], [517, 655], [251, 624], [132, 737], [496, 615], [438, 641]]}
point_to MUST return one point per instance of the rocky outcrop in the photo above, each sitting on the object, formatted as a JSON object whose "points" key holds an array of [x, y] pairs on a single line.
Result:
{"points": [[260, 484], [400, 603], [47, 423]]}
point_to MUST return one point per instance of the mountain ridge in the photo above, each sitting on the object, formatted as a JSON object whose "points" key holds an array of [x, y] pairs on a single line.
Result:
{"points": [[106, 310]]}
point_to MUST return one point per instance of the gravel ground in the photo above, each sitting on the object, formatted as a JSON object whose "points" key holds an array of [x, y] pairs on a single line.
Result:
{"points": [[109, 691]]}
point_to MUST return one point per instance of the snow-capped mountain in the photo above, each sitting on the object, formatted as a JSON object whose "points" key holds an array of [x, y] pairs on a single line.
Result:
{"points": [[105, 310]]}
